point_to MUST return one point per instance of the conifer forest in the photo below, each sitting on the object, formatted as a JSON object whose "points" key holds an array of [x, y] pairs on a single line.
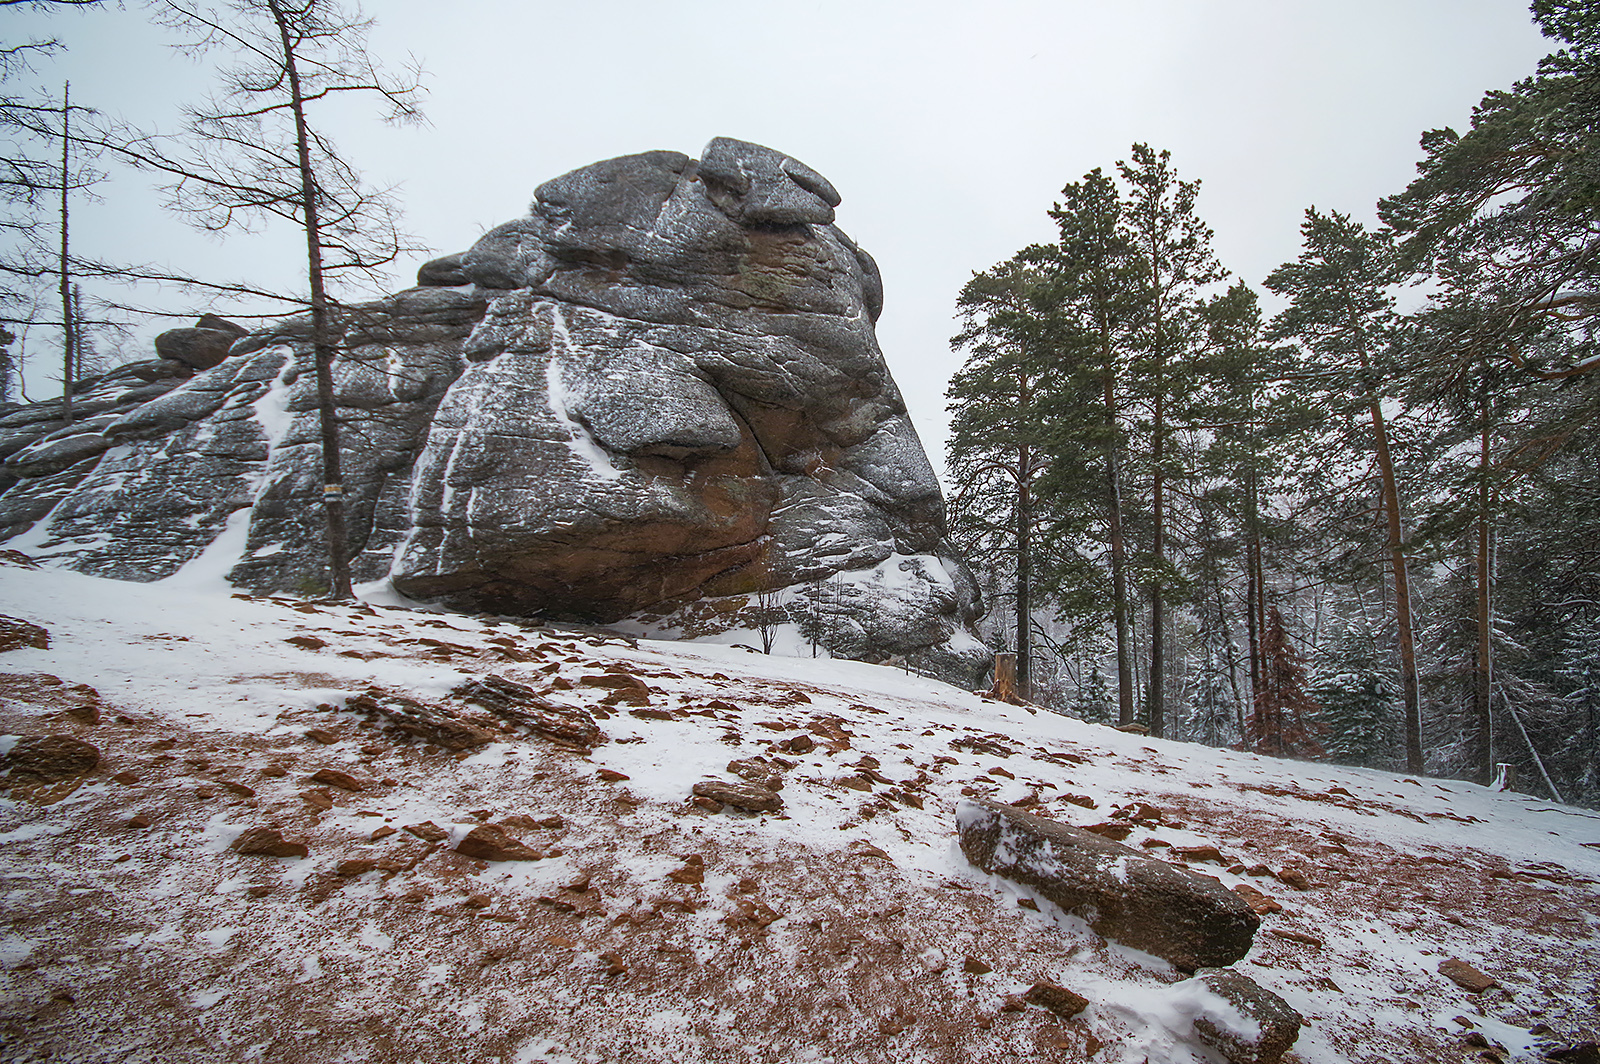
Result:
{"points": [[1354, 517]]}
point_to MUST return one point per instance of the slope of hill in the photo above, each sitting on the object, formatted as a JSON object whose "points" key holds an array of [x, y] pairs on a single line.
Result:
{"points": [[637, 924]]}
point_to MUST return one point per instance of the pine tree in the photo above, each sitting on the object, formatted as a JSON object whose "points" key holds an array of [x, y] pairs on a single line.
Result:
{"points": [[1358, 695], [1098, 300], [1284, 721], [997, 429], [1578, 670], [1513, 204], [1172, 247], [1256, 438], [1341, 312]]}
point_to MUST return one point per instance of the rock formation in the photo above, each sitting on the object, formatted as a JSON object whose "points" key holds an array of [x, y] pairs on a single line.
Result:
{"points": [[657, 396], [1190, 920]]}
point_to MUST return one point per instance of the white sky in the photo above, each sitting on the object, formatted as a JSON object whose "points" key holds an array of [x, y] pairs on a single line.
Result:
{"points": [[948, 127]]}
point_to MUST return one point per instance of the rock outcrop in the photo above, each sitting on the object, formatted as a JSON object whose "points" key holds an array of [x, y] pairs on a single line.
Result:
{"points": [[1188, 920], [657, 396]]}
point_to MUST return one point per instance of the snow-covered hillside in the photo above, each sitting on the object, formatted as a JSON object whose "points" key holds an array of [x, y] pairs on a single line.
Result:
{"points": [[643, 926]]}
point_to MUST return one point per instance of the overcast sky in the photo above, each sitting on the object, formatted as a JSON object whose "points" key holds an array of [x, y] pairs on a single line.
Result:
{"points": [[948, 127]]}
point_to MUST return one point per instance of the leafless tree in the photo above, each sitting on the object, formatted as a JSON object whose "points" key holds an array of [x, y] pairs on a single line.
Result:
{"points": [[254, 154]]}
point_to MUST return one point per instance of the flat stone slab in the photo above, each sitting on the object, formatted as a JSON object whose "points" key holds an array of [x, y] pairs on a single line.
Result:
{"points": [[1189, 920]]}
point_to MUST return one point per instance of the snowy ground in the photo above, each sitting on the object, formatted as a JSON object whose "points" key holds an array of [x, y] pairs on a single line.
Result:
{"points": [[846, 928]]}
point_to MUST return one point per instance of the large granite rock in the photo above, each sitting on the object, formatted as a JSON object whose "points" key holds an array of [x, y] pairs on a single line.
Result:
{"points": [[660, 388]]}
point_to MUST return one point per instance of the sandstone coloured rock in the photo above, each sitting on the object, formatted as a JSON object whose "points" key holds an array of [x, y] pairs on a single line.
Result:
{"points": [[268, 842], [490, 842], [1189, 920], [654, 399], [48, 758], [744, 796], [16, 633]]}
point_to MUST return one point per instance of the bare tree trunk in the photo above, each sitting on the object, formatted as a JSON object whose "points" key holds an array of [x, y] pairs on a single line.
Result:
{"points": [[322, 343], [1119, 565], [1157, 700], [69, 330], [1483, 676], [1158, 612], [1024, 577], [1402, 584]]}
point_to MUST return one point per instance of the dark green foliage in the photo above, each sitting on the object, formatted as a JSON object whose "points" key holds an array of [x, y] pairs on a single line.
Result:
{"points": [[1360, 698]]}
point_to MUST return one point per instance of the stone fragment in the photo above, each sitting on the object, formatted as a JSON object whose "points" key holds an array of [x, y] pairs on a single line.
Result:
{"points": [[616, 680], [1259, 902], [1115, 832], [1269, 1026], [487, 842], [759, 771], [317, 798], [335, 778], [357, 866], [200, 346], [16, 633], [520, 704], [693, 871], [428, 831], [1058, 999], [49, 758], [1199, 853], [430, 723], [1189, 920], [1465, 975], [746, 797], [628, 696], [650, 714], [268, 842], [138, 821], [1294, 877], [973, 966]]}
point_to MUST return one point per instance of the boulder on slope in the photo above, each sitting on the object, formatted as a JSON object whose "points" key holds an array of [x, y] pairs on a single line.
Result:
{"points": [[1189, 920]]}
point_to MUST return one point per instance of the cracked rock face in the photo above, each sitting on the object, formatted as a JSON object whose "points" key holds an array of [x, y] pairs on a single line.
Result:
{"points": [[659, 388]]}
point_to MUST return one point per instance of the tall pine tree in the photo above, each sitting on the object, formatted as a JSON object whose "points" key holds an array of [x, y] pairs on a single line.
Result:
{"points": [[1340, 310], [1172, 248]]}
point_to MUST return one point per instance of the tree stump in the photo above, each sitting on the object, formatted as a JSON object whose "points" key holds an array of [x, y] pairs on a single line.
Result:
{"points": [[1005, 679]]}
